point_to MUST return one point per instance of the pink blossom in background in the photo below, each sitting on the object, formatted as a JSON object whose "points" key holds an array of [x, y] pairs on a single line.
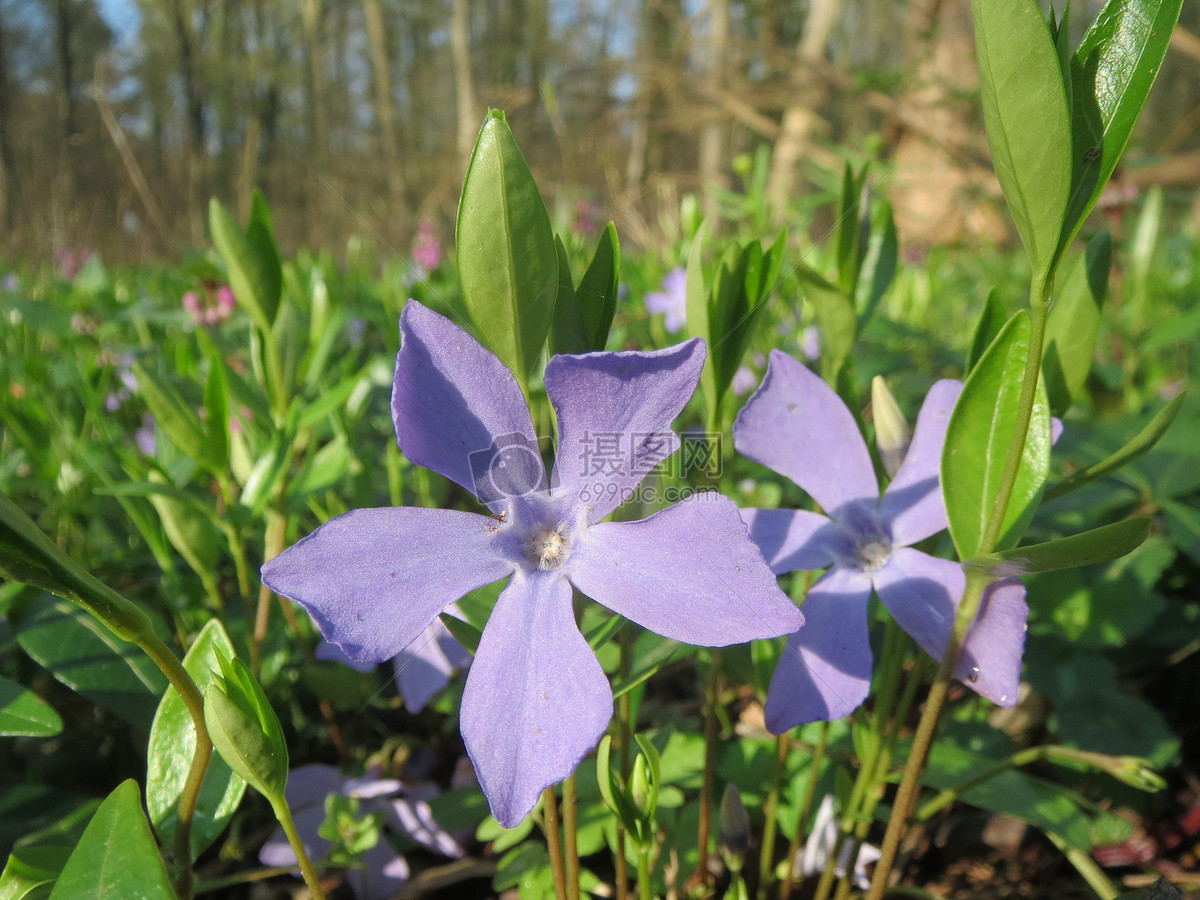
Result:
{"points": [[71, 261], [427, 250]]}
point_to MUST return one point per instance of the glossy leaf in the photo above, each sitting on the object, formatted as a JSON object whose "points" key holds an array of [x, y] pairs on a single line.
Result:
{"points": [[568, 334], [170, 749], [989, 324], [1098, 545], [252, 258], [507, 263], [1027, 120], [116, 858], [24, 713], [597, 290], [1112, 72], [1074, 323], [30, 872], [244, 729], [86, 657], [977, 445]]}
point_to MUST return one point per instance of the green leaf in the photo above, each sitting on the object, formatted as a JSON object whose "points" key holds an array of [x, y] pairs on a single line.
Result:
{"points": [[507, 263], [990, 323], [848, 232], [598, 289], [170, 750], [1028, 123], [252, 258], [1143, 441], [980, 431], [1074, 323], [836, 319], [30, 872], [89, 659], [1098, 545], [568, 334], [464, 632], [244, 729], [189, 531], [24, 713], [1112, 72], [698, 324], [116, 858], [177, 419], [216, 407], [879, 262]]}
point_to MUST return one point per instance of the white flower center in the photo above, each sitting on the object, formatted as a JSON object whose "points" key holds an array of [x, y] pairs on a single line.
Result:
{"points": [[874, 554], [548, 548]]}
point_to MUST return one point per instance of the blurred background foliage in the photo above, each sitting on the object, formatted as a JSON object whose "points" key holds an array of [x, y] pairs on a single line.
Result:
{"points": [[120, 118]]}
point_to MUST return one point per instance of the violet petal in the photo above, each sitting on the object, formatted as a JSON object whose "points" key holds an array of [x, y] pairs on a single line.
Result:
{"points": [[536, 700], [825, 670], [689, 572], [422, 668], [922, 593], [913, 502], [415, 818], [372, 579], [384, 871], [614, 418], [795, 424], [990, 660], [792, 539], [459, 411]]}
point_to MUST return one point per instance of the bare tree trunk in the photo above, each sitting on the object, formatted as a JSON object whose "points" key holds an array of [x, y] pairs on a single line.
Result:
{"points": [[713, 131], [385, 109], [460, 45], [798, 118], [193, 93], [318, 121], [8, 162], [934, 193]]}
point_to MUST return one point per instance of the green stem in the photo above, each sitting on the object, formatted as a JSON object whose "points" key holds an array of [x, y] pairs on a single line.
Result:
{"points": [[766, 860], [307, 872], [704, 830], [624, 739], [570, 836], [1086, 866], [810, 791], [553, 845], [643, 875], [972, 596]]}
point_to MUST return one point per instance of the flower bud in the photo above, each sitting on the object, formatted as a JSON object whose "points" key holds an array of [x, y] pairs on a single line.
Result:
{"points": [[733, 828], [891, 430]]}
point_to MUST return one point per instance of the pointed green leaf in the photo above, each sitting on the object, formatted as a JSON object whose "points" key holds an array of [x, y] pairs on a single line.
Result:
{"points": [[86, 657], [176, 418], [30, 872], [170, 749], [698, 324], [836, 319], [1074, 323], [1027, 121], [1143, 441], [1112, 72], [1098, 545], [568, 334], [598, 288], [116, 859], [879, 262], [24, 713], [990, 323], [507, 263], [189, 531], [252, 259], [464, 632], [977, 443], [849, 235], [216, 409]]}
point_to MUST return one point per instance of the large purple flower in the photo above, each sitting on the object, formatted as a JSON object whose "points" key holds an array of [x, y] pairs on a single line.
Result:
{"points": [[796, 425], [536, 699]]}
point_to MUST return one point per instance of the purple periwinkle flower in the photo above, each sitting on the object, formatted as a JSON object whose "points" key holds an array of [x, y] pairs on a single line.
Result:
{"points": [[405, 809], [796, 425], [671, 300], [536, 700]]}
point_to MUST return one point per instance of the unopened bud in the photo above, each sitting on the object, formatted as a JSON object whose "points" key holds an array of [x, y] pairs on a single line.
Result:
{"points": [[733, 828], [891, 430]]}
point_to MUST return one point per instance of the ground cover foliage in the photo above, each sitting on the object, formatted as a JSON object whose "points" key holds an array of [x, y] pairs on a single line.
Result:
{"points": [[165, 432]]}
